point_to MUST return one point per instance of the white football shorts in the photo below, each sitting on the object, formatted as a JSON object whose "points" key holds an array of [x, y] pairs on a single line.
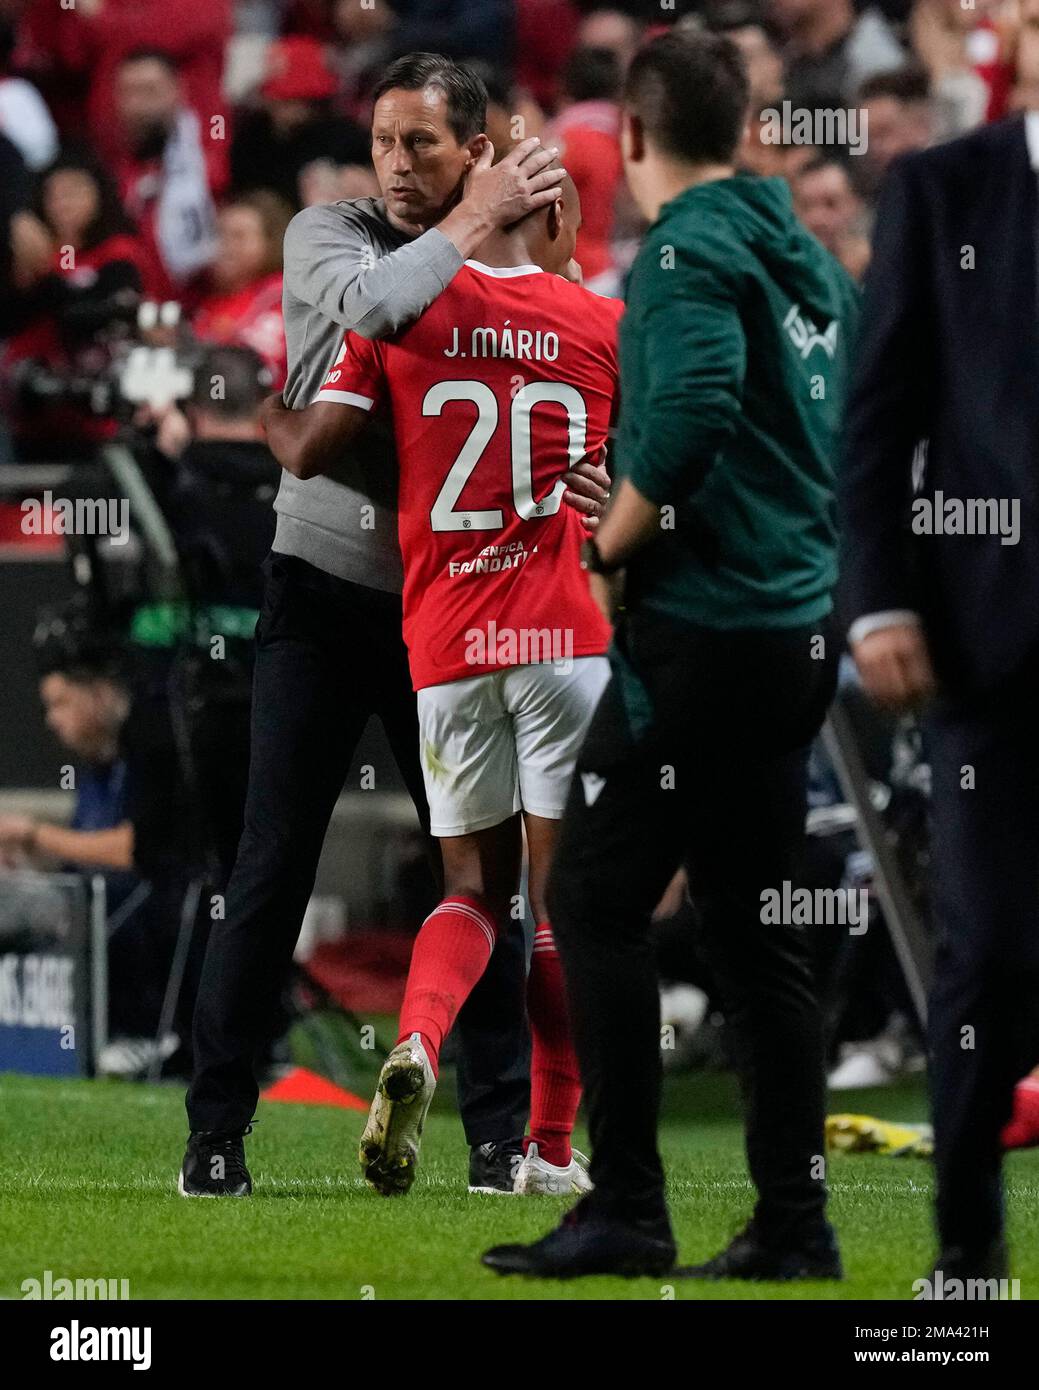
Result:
{"points": [[505, 741]]}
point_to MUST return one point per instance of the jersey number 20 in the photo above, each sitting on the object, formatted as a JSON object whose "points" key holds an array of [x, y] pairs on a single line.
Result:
{"points": [[443, 516]]}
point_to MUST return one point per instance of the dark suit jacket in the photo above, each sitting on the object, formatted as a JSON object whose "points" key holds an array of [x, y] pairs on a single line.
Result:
{"points": [[950, 355]]}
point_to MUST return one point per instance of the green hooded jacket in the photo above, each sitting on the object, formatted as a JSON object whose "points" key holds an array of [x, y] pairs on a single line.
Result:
{"points": [[734, 356]]}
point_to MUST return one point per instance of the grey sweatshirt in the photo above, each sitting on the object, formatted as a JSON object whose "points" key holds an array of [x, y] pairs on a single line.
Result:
{"points": [[346, 266]]}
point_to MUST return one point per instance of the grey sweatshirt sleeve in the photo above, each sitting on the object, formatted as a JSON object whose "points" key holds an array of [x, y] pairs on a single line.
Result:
{"points": [[331, 265]]}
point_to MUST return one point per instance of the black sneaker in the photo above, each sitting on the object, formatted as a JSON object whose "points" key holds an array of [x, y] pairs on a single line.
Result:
{"points": [[964, 1263], [590, 1242], [811, 1256], [214, 1165], [493, 1167]]}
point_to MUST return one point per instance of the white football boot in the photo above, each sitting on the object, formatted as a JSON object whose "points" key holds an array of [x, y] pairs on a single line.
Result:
{"points": [[535, 1177], [390, 1143]]}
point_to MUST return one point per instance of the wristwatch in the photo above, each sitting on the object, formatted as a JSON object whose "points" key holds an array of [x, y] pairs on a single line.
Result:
{"points": [[593, 561]]}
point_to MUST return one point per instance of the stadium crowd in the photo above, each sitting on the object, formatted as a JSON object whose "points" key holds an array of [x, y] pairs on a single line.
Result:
{"points": [[154, 154], [157, 151]]}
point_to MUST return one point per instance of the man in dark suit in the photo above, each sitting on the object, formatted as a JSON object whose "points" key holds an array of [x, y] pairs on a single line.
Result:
{"points": [[940, 510]]}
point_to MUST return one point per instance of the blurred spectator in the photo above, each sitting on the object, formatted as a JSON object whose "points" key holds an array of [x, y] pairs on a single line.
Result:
{"points": [[546, 33], [163, 174], [613, 29], [830, 49], [827, 204], [81, 50], [322, 181], [899, 117], [90, 284], [459, 29], [25, 246], [968, 59], [244, 307], [86, 704], [24, 117], [295, 125], [512, 113], [1025, 95], [770, 160], [86, 701], [587, 131], [741, 21]]}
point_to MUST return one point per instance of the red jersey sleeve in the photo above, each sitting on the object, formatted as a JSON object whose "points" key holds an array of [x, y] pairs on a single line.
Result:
{"points": [[357, 377]]}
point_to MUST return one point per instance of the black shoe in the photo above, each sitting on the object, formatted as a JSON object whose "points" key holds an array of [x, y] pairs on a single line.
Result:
{"points": [[748, 1256], [590, 1243], [214, 1165], [958, 1262], [492, 1167]]}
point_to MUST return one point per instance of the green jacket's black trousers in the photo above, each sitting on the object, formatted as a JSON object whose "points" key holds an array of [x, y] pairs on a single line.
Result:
{"points": [[329, 655], [714, 780]]}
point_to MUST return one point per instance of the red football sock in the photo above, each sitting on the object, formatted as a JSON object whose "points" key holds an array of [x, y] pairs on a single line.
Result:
{"points": [[1022, 1129], [450, 954], [555, 1082]]}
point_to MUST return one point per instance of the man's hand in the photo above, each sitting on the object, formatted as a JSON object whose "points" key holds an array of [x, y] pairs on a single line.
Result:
{"points": [[895, 666], [518, 184], [498, 194], [588, 491], [17, 835]]}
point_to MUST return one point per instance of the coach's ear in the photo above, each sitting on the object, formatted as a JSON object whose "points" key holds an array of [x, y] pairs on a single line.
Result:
{"points": [[475, 149]]}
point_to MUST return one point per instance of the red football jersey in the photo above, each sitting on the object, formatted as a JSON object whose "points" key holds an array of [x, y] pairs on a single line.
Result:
{"points": [[506, 381]]}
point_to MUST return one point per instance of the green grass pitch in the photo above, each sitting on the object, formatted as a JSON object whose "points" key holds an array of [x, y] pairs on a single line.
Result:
{"points": [[88, 1173]]}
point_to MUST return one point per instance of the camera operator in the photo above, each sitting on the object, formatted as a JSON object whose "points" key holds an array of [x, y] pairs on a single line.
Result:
{"points": [[215, 481]]}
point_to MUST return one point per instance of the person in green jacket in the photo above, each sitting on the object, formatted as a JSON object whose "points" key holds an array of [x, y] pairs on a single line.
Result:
{"points": [[734, 357]]}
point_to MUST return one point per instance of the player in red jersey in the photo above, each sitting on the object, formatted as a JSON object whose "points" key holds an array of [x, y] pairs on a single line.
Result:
{"points": [[504, 384]]}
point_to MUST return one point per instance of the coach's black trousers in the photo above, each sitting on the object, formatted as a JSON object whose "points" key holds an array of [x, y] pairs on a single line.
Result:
{"points": [[329, 654], [984, 1011], [716, 782]]}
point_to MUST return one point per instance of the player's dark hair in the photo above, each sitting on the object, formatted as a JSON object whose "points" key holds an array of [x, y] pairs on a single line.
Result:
{"points": [[465, 93], [151, 55], [230, 382], [593, 74], [690, 91]]}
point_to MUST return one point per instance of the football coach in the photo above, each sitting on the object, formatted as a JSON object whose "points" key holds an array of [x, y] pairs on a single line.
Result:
{"points": [[733, 356], [942, 579], [330, 653]]}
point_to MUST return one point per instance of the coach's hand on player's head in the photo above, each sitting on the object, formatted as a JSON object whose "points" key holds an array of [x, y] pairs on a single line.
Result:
{"points": [[895, 665], [587, 492], [519, 183]]}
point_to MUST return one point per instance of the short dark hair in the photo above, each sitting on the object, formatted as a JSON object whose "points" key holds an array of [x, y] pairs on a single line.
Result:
{"points": [[66, 646], [909, 83], [111, 217], [244, 380], [593, 74], [690, 91], [465, 92], [824, 160], [151, 55]]}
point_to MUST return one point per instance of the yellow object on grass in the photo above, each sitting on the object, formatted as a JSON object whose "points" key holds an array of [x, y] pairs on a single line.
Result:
{"points": [[863, 1134]]}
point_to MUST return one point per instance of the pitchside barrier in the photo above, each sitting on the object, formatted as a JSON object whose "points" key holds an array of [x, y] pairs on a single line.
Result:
{"points": [[53, 973]]}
